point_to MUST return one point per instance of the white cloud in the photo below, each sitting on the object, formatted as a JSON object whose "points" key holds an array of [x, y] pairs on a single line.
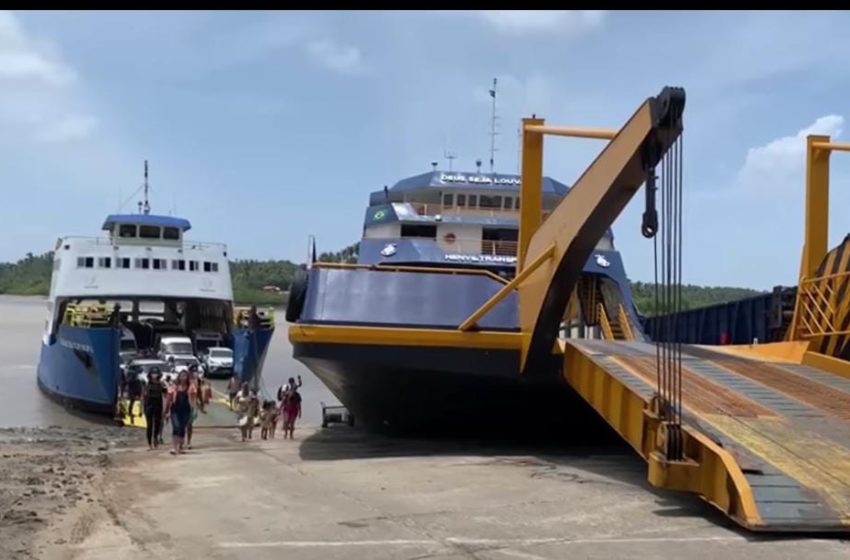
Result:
{"points": [[37, 97], [345, 59], [26, 59], [778, 165], [65, 129], [529, 21]]}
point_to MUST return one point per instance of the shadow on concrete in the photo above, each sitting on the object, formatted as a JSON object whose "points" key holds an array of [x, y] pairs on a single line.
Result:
{"points": [[573, 460]]}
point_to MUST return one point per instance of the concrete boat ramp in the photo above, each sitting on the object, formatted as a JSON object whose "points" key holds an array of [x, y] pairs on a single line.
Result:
{"points": [[339, 493]]}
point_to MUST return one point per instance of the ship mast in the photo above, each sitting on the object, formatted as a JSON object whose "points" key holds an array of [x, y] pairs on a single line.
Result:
{"points": [[493, 133], [147, 206]]}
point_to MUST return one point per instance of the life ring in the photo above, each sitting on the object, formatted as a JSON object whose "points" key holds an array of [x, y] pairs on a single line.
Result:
{"points": [[297, 296]]}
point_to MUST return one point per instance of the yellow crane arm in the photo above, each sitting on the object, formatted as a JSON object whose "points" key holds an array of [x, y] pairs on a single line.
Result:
{"points": [[571, 232]]}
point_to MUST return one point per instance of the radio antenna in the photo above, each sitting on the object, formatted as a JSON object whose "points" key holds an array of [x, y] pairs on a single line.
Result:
{"points": [[146, 209], [448, 154], [493, 132]]}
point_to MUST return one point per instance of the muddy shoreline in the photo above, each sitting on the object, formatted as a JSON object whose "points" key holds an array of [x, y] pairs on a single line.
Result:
{"points": [[45, 473]]}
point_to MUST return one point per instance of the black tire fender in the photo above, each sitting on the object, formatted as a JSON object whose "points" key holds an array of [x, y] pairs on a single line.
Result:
{"points": [[297, 296]]}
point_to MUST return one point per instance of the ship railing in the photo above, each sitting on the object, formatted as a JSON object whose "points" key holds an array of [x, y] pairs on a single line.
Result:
{"points": [[242, 317], [408, 268], [97, 315], [425, 209], [474, 246], [187, 243], [823, 308]]}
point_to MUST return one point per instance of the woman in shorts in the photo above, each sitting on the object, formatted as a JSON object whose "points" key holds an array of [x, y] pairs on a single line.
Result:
{"points": [[180, 408]]}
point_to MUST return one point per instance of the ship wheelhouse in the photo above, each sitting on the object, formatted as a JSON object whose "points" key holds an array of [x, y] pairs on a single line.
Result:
{"points": [[456, 219]]}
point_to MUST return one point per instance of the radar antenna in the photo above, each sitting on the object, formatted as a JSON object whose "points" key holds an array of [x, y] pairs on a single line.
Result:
{"points": [[451, 156]]}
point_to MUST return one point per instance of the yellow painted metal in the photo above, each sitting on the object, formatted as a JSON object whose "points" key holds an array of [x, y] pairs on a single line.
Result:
{"points": [[828, 363], [505, 290], [831, 146], [708, 470], [574, 132], [88, 316], [817, 205], [531, 185], [787, 352], [390, 268], [607, 331], [625, 323], [435, 338], [598, 195]]}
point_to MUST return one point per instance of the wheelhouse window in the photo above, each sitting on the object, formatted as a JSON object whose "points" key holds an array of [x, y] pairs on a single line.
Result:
{"points": [[149, 232], [473, 201], [104, 262], [123, 262], [490, 201], [210, 266], [127, 230], [178, 264], [508, 203], [85, 262], [448, 200], [461, 200], [160, 264], [427, 232], [144, 264], [193, 266], [516, 203], [170, 233]]}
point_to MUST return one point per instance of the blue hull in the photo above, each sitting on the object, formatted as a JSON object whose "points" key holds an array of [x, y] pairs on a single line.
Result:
{"points": [[81, 367], [249, 352]]}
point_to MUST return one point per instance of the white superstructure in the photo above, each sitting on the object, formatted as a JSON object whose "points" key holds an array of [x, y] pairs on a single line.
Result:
{"points": [[142, 257]]}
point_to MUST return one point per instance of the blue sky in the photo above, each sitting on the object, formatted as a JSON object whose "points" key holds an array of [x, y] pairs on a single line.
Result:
{"points": [[262, 128]]}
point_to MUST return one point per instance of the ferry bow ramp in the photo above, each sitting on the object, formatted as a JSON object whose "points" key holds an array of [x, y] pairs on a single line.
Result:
{"points": [[759, 431]]}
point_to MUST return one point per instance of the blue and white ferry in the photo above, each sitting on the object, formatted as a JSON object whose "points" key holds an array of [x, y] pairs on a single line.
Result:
{"points": [[144, 291]]}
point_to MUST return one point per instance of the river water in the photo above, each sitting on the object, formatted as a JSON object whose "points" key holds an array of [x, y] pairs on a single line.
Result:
{"points": [[23, 404]]}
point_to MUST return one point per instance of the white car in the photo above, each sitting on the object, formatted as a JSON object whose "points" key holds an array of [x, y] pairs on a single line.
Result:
{"points": [[144, 365], [218, 361]]}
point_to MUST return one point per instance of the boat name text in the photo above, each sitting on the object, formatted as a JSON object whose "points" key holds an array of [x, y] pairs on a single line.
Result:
{"points": [[501, 259], [477, 179]]}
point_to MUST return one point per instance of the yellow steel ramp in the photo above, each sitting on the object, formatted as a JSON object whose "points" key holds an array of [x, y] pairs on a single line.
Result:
{"points": [[768, 443]]}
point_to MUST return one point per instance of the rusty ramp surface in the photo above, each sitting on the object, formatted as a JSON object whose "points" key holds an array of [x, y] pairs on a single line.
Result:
{"points": [[787, 426]]}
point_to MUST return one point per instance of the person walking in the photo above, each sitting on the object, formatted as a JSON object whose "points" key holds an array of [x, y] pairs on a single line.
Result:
{"points": [[153, 403], [291, 411], [180, 409], [283, 394], [194, 395], [134, 389]]}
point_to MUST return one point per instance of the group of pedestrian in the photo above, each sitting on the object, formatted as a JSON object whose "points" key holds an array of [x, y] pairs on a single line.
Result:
{"points": [[246, 403], [177, 402]]}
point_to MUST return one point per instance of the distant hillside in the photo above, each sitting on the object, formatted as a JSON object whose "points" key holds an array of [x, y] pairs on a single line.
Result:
{"points": [[28, 276], [31, 276]]}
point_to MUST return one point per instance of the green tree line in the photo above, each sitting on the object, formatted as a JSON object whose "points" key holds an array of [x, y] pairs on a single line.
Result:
{"points": [[31, 276]]}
